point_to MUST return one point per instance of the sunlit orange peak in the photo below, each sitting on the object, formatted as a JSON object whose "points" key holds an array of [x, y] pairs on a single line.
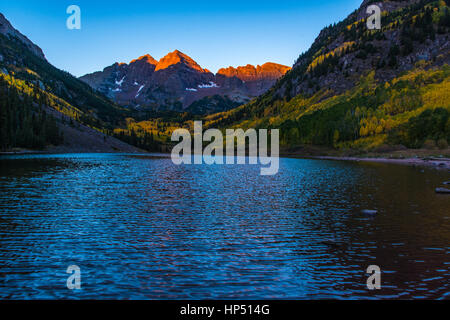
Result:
{"points": [[148, 58], [177, 57]]}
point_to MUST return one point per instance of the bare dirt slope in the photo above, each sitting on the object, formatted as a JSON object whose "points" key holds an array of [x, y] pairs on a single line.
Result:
{"points": [[79, 138]]}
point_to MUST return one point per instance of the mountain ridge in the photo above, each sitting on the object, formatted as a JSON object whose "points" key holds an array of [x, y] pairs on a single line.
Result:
{"points": [[268, 70], [176, 81]]}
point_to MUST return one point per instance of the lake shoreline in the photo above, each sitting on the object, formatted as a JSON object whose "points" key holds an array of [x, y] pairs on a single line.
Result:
{"points": [[439, 159], [437, 163], [68, 150], [434, 162]]}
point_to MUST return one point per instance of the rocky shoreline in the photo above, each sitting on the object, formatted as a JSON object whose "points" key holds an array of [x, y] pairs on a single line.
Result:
{"points": [[438, 163]]}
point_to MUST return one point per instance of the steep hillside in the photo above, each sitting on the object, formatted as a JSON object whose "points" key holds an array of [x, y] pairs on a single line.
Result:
{"points": [[176, 81], [42, 105], [16, 59], [31, 118], [360, 88], [8, 30]]}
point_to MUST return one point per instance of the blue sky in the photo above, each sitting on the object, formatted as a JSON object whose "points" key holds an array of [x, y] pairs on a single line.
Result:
{"points": [[214, 33]]}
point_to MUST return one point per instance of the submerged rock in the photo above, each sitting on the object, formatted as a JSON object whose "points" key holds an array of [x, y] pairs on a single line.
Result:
{"points": [[369, 212], [331, 243], [442, 190]]}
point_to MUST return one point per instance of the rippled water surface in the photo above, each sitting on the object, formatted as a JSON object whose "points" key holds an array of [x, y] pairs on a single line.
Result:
{"points": [[140, 227]]}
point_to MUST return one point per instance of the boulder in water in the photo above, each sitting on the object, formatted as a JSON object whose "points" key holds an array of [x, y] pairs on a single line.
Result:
{"points": [[442, 190], [369, 212], [331, 243]]}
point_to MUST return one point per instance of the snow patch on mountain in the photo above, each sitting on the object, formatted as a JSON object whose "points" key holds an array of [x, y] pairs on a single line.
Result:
{"points": [[208, 85], [119, 83], [139, 91]]}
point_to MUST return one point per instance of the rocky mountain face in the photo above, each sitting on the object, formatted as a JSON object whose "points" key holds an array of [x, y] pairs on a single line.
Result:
{"points": [[176, 81], [8, 30], [257, 79], [268, 71]]}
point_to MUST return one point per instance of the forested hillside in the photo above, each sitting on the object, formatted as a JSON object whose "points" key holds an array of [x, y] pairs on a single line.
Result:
{"points": [[23, 122], [363, 89], [38, 101]]}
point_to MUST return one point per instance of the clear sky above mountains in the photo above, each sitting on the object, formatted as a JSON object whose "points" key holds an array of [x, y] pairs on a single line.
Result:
{"points": [[214, 33]]}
